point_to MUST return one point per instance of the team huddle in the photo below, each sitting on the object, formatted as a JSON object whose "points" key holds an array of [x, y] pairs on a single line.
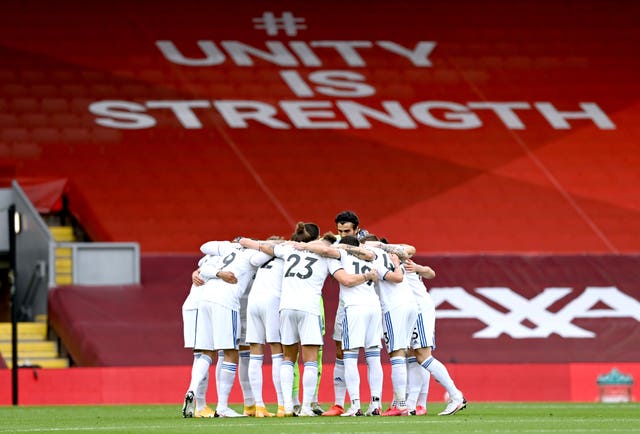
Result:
{"points": [[249, 293]]}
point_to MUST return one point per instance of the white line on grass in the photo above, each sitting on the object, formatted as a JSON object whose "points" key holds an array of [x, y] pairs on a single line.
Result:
{"points": [[220, 424]]}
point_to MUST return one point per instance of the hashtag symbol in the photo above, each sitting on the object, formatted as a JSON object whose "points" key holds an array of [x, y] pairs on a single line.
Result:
{"points": [[273, 25]]}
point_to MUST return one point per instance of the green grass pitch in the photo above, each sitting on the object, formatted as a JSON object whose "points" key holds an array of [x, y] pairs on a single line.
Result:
{"points": [[477, 418]]}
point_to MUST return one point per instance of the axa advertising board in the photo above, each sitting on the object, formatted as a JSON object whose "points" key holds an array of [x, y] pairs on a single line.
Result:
{"points": [[536, 308]]}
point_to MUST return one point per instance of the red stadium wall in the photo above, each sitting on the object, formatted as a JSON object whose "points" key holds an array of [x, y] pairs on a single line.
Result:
{"points": [[585, 306], [166, 385], [490, 309], [457, 126]]}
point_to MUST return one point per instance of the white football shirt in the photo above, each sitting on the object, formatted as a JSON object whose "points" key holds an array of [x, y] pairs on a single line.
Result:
{"points": [[392, 294], [243, 264], [267, 284], [303, 276], [361, 294]]}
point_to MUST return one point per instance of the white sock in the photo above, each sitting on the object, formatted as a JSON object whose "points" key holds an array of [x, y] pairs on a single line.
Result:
{"points": [[351, 375], [339, 385], [227, 377], [309, 382], [243, 374], [201, 390], [374, 374], [440, 373], [199, 370], [317, 389], [276, 362], [422, 399], [414, 381], [255, 377], [286, 380], [399, 379], [218, 368], [424, 390]]}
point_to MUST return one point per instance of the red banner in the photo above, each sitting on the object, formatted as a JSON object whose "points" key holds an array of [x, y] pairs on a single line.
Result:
{"points": [[536, 308]]}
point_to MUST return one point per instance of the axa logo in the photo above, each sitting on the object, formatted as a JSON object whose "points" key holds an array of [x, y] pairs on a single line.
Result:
{"points": [[530, 318]]}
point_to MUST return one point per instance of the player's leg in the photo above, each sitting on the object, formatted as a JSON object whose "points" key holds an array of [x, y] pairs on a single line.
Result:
{"points": [[311, 340], [245, 383], [373, 333], [255, 378], [423, 345], [272, 336], [226, 325], [245, 355], [339, 384], [203, 340], [276, 363], [199, 371], [353, 339], [227, 377], [439, 371], [295, 391], [309, 378], [315, 405], [421, 403], [417, 377], [290, 353], [290, 338], [398, 327], [256, 336]]}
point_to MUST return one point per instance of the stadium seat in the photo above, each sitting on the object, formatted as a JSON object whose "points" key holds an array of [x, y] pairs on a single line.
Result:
{"points": [[454, 187]]}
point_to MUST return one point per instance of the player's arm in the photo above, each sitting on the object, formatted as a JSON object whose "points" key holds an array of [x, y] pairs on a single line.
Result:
{"points": [[196, 279], [215, 248], [217, 271], [227, 276], [403, 251], [423, 270], [261, 246], [319, 248], [358, 252], [349, 280], [397, 275]]}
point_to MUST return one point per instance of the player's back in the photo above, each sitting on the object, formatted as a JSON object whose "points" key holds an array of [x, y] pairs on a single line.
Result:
{"points": [[241, 263], [361, 294], [268, 281], [391, 294], [303, 277]]}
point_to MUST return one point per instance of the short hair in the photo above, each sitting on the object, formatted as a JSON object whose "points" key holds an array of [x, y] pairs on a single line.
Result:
{"points": [[301, 234], [369, 237], [350, 240], [330, 237], [348, 217], [313, 230]]}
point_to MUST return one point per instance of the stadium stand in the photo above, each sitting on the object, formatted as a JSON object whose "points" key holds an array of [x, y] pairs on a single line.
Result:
{"points": [[490, 168]]}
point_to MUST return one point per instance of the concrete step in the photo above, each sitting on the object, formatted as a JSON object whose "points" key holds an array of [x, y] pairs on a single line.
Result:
{"points": [[62, 233], [29, 346], [26, 331], [33, 347], [47, 363]]}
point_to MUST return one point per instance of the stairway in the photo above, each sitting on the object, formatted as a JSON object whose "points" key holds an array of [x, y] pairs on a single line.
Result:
{"points": [[63, 261], [34, 349]]}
